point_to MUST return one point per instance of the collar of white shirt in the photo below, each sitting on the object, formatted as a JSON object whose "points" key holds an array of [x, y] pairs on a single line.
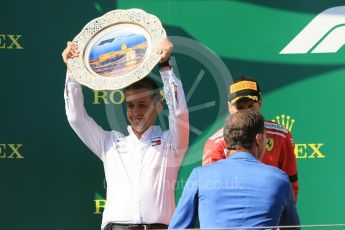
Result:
{"points": [[153, 130]]}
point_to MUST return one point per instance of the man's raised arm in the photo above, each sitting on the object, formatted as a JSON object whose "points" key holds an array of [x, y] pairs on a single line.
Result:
{"points": [[86, 128], [176, 101]]}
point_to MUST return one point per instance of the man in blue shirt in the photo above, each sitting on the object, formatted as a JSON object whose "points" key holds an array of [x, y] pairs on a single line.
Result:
{"points": [[238, 191]]}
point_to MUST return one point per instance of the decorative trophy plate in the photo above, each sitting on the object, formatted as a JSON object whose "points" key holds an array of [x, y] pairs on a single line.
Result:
{"points": [[117, 49]]}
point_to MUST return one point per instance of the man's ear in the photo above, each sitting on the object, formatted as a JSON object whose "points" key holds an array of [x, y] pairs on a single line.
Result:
{"points": [[260, 103], [231, 108], [159, 106], [258, 139]]}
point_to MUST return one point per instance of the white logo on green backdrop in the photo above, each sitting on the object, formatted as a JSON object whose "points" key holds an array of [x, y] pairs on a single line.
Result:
{"points": [[324, 34]]}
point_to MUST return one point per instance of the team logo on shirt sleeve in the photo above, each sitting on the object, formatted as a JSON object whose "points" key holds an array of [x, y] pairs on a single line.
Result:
{"points": [[269, 144]]}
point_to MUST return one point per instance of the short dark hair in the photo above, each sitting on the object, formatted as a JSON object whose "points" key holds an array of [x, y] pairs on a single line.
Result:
{"points": [[240, 129], [146, 83]]}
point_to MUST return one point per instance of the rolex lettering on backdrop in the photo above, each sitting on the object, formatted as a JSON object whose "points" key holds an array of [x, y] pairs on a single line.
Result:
{"points": [[11, 151], [11, 41], [302, 151]]}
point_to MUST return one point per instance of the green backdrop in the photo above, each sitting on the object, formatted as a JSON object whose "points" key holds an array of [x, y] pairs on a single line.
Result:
{"points": [[49, 179]]}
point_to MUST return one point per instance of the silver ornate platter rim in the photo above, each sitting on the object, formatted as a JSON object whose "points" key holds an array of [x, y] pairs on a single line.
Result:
{"points": [[80, 66]]}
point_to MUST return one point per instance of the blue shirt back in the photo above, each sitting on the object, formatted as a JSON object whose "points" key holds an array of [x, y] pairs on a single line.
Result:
{"points": [[237, 191]]}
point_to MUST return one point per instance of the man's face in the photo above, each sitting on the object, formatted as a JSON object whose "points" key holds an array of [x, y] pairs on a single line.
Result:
{"points": [[141, 109], [244, 104]]}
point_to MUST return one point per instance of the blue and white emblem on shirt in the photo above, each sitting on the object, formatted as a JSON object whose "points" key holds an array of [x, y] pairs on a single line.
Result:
{"points": [[156, 141]]}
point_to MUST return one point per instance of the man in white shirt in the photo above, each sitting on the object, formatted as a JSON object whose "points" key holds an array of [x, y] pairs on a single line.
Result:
{"points": [[141, 168]]}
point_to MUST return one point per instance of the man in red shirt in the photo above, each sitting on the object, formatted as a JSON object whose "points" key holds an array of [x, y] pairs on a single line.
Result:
{"points": [[245, 94]]}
